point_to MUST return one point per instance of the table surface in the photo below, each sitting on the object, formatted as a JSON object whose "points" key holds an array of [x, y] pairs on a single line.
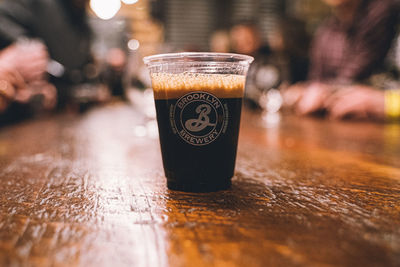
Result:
{"points": [[89, 190]]}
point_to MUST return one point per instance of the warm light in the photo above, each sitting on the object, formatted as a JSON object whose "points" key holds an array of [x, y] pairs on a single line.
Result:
{"points": [[133, 44], [105, 9], [129, 2]]}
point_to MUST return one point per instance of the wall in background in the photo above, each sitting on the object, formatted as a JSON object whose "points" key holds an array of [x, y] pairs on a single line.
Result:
{"points": [[187, 24]]}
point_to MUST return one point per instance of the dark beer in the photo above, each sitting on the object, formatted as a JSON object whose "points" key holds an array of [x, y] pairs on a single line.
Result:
{"points": [[198, 119]]}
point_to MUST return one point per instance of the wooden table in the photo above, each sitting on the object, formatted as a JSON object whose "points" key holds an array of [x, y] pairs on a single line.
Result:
{"points": [[89, 191]]}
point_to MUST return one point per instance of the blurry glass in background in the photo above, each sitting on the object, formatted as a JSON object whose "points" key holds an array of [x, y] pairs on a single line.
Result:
{"points": [[271, 101], [262, 75], [110, 50]]}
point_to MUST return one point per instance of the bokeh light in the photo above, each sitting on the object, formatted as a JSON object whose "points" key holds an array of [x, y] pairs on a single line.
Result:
{"points": [[133, 44], [129, 2], [105, 9]]}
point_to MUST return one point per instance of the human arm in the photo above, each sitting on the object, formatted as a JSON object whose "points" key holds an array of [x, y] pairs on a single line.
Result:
{"points": [[358, 101]]}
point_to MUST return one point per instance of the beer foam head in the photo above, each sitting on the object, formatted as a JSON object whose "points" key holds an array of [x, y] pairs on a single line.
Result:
{"points": [[167, 85]]}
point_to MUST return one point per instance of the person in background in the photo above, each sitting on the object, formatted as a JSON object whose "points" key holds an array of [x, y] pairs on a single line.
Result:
{"points": [[378, 99], [61, 26], [347, 49], [246, 39], [262, 75], [290, 43], [220, 41]]}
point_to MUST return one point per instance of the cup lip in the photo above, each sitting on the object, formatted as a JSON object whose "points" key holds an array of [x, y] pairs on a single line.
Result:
{"points": [[164, 58]]}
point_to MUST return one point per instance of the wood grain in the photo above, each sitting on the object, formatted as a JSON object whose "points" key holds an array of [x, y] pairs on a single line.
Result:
{"points": [[89, 191]]}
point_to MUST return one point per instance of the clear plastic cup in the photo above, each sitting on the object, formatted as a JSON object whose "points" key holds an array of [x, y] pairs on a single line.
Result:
{"points": [[198, 98]]}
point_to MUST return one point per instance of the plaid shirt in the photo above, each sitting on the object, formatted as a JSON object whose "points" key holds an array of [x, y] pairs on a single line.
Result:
{"points": [[350, 53]]}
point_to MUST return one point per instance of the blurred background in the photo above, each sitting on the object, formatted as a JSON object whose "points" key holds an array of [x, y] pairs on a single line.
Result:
{"points": [[88, 52], [180, 24]]}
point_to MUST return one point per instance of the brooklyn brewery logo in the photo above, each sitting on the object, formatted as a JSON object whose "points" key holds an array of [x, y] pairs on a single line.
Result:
{"points": [[199, 118]]}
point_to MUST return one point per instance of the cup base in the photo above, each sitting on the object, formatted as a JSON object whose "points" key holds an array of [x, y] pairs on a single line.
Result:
{"points": [[199, 187]]}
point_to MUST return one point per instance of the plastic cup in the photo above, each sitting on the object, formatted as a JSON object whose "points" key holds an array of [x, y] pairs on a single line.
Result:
{"points": [[198, 99]]}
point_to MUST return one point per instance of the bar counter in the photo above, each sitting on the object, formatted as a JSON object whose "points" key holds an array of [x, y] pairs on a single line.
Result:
{"points": [[89, 190]]}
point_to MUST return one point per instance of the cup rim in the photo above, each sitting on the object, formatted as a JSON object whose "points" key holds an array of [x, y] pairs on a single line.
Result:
{"points": [[158, 58]]}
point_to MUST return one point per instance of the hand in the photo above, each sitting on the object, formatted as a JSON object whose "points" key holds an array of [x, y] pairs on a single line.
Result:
{"points": [[359, 102], [14, 86], [30, 58], [47, 90], [49, 93], [10, 82], [3, 104], [313, 98], [292, 94]]}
